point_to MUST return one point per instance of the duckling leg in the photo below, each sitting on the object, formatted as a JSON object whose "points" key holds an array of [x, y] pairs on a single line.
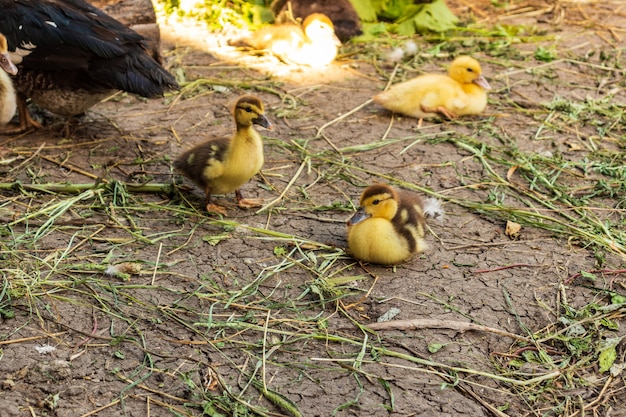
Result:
{"points": [[26, 122], [213, 208], [247, 203], [440, 110]]}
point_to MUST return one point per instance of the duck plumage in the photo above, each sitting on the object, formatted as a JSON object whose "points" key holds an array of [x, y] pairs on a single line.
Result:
{"points": [[388, 227], [313, 44], [462, 92], [71, 55], [7, 92], [222, 165]]}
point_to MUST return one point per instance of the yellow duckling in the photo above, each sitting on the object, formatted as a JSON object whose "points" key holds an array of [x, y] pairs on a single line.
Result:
{"points": [[314, 43], [8, 103], [463, 91], [221, 165], [388, 227]]}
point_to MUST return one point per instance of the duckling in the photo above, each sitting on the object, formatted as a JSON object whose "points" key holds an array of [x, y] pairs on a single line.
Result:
{"points": [[7, 92], [221, 165], [340, 12], [71, 56], [314, 44], [462, 92], [388, 227]]}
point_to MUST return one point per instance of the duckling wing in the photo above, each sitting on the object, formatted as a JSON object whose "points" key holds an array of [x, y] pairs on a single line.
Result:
{"points": [[410, 96], [205, 162], [409, 220]]}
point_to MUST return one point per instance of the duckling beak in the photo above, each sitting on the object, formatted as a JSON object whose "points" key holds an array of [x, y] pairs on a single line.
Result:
{"points": [[359, 216], [7, 65], [262, 121], [481, 81]]}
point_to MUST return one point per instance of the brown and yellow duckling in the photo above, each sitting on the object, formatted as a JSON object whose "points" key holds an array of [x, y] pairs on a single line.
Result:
{"points": [[221, 165], [462, 92], [388, 227], [8, 103], [313, 44]]}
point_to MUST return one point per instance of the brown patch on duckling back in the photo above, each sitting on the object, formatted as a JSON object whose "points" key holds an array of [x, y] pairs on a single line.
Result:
{"points": [[410, 221]]}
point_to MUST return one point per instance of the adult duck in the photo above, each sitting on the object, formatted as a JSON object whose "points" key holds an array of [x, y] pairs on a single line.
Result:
{"points": [[70, 56]]}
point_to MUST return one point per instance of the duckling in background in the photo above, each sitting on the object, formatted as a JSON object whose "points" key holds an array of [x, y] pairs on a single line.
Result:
{"points": [[71, 56], [388, 227], [8, 104], [462, 92], [313, 44], [340, 12], [221, 165]]}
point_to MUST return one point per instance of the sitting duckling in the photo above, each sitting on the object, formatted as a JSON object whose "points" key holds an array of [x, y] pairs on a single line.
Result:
{"points": [[340, 12], [461, 92], [221, 165], [314, 44], [8, 102], [388, 227]]}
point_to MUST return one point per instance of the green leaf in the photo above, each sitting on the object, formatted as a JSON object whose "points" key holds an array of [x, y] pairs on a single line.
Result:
{"points": [[617, 299], [588, 275], [365, 10], [215, 239], [608, 354], [435, 347], [435, 17], [545, 55]]}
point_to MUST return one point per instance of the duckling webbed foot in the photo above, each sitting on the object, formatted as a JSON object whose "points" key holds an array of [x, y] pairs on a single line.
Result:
{"points": [[247, 202], [214, 208], [439, 110], [26, 121]]}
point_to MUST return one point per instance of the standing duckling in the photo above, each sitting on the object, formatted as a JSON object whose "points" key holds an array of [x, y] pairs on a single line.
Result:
{"points": [[221, 165], [7, 93], [314, 44], [462, 92], [388, 227]]}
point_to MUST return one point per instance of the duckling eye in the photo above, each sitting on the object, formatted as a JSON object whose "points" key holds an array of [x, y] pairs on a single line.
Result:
{"points": [[248, 109], [375, 202], [470, 70]]}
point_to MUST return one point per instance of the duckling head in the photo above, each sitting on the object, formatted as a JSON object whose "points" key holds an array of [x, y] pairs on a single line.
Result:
{"points": [[466, 70], [319, 28], [5, 60], [379, 200], [249, 111]]}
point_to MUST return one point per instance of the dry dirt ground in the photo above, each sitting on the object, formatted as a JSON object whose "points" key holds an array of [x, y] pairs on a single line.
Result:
{"points": [[268, 297]]}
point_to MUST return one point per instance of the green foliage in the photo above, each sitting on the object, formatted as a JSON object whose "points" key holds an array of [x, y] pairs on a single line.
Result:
{"points": [[404, 17], [217, 14]]}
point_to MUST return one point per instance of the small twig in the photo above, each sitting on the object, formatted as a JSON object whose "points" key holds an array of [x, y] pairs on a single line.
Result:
{"points": [[291, 182], [595, 271], [441, 324], [500, 268], [343, 116], [28, 339], [156, 264]]}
